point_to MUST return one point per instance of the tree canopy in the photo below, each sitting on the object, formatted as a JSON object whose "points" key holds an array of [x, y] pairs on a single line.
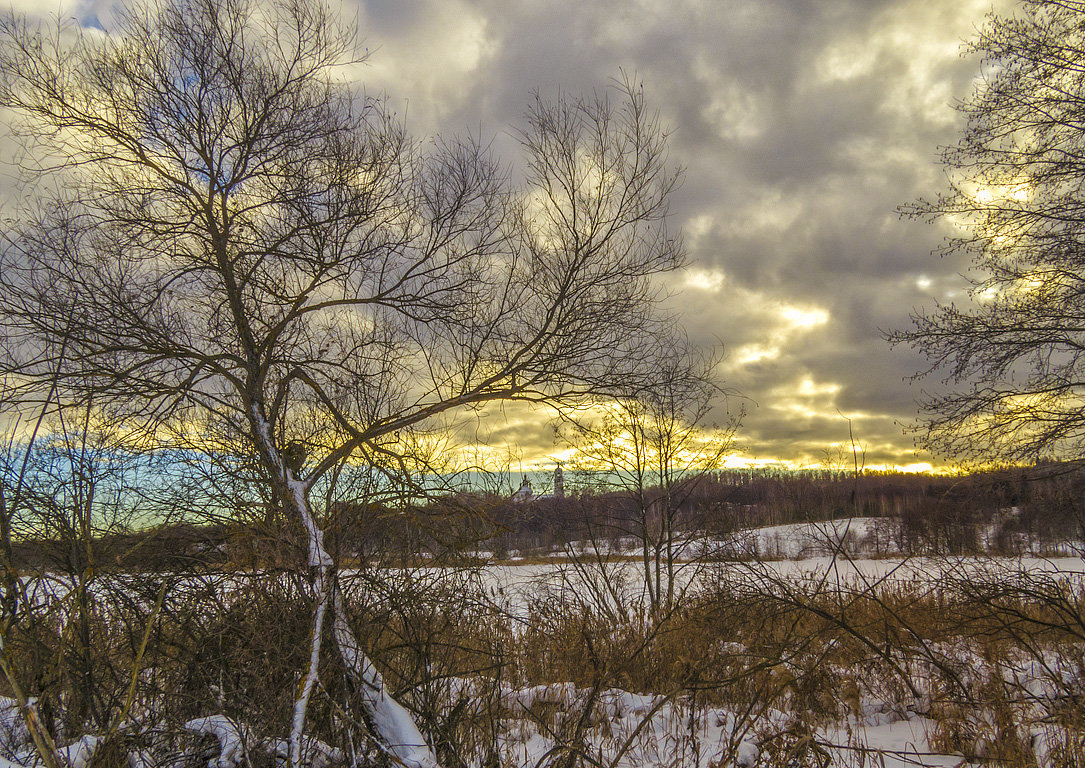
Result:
{"points": [[1013, 357], [228, 239]]}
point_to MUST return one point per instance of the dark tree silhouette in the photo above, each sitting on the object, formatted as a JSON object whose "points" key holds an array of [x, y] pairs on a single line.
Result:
{"points": [[1014, 356], [238, 242]]}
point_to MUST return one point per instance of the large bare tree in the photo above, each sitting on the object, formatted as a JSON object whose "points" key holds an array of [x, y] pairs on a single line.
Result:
{"points": [[1014, 355], [235, 239]]}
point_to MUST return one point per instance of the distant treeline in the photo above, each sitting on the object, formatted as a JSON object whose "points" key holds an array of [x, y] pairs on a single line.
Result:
{"points": [[1033, 508], [1037, 508]]}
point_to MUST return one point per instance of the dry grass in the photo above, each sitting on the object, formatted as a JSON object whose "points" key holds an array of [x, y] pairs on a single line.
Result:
{"points": [[235, 644]]}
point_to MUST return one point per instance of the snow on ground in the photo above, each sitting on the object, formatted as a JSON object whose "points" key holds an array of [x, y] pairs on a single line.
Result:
{"points": [[654, 731], [515, 586], [861, 537], [633, 730], [626, 731], [855, 536]]}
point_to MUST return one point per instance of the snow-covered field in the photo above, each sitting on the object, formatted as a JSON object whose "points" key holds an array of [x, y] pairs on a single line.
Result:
{"points": [[886, 732], [855, 537], [629, 731], [853, 555], [886, 725]]}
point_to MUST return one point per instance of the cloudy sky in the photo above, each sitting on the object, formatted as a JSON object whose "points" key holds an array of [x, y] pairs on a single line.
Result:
{"points": [[802, 127]]}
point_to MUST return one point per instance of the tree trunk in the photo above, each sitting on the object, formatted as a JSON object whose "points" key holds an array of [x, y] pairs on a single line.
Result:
{"points": [[390, 723]]}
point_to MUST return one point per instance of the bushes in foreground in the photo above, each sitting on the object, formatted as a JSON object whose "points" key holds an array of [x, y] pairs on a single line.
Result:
{"points": [[993, 660]]}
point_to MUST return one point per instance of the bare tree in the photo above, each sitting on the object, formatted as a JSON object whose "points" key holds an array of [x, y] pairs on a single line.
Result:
{"points": [[238, 240], [1014, 354], [649, 451]]}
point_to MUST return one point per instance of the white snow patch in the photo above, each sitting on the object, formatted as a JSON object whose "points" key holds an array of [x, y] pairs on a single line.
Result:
{"points": [[14, 735], [229, 735]]}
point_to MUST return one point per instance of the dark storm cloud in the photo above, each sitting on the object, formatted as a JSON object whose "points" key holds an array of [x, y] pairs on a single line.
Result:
{"points": [[802, 127]]}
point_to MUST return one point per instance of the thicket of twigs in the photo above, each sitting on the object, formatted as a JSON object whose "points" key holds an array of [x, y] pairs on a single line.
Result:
{"points": [[995, 659]]}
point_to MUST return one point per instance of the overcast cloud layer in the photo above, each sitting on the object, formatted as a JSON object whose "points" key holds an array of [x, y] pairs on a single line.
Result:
{"points": [[801, 125]]}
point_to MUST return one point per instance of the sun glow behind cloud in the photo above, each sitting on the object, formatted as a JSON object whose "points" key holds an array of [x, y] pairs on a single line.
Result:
{"points": [[807, 399], [791, 321], [710, 280]]}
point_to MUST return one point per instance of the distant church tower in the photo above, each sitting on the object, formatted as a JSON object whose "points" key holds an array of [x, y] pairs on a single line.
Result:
{"points": [[559, 484]]}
